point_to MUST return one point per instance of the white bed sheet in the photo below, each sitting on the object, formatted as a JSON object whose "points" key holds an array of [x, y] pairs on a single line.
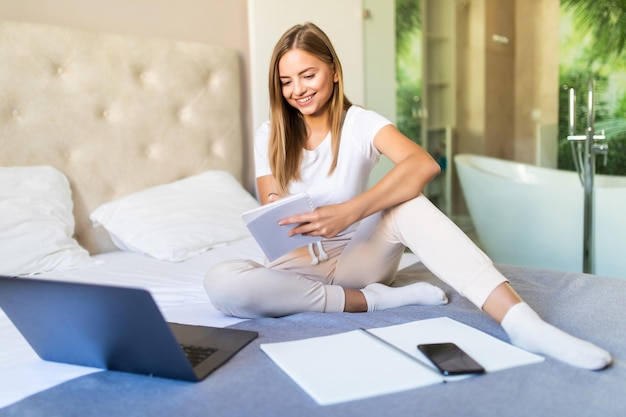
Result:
{"points": [[176, 287]]}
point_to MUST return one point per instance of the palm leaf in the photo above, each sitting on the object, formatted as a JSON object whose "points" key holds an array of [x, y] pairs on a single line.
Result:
{"points": [[605, 21]]}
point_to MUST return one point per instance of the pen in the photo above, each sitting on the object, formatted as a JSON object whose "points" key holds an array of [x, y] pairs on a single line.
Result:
{"points": [[397, 349]]}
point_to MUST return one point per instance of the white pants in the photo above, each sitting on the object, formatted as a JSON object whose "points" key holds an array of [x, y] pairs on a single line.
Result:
{"points": [[292, 284]]}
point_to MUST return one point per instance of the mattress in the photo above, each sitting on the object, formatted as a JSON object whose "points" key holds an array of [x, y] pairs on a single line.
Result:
{"points": [[250, 384]]}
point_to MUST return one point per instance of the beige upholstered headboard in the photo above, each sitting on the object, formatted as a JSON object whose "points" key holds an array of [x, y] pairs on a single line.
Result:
{"points": [[116, 113]]}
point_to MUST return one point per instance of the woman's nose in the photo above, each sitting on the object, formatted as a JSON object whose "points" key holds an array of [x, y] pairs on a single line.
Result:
{"points": [[299, 88]]}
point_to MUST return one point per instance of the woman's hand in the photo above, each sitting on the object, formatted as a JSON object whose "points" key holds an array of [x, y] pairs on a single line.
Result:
{"points": [[325, 221]]}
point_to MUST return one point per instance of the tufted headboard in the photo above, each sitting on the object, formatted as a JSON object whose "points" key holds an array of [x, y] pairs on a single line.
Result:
{"points": [[116, 113]]}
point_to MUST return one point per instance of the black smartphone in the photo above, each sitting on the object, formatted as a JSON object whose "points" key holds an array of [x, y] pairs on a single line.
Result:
{"points": [[450, 359]]}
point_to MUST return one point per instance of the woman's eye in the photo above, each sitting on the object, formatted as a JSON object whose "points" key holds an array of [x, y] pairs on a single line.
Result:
{"points": [[285, 83], [309, 76]]}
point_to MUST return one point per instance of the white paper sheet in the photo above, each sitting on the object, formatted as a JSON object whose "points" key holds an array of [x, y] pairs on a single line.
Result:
{"points": [[352, 365]]}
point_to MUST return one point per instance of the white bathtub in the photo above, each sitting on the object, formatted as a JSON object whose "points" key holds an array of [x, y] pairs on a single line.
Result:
{"points": [[532, 216]]}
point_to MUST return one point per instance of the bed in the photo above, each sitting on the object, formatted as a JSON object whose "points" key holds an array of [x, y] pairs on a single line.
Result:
{"points": [[122, 162]]}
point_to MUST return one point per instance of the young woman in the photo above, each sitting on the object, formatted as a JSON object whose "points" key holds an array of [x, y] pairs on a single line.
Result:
{"points": [[317, 141]]}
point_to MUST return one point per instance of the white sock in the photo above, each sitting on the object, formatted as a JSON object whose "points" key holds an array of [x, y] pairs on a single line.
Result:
{"points": [[529, 332], [381, 297]]}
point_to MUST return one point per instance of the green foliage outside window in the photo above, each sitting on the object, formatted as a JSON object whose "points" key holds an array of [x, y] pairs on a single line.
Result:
{"points": [[593, 44], [408, 68]]}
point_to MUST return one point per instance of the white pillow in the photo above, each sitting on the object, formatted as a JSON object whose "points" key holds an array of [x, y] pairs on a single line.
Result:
{"points": [[176, 221], [36, 222]]}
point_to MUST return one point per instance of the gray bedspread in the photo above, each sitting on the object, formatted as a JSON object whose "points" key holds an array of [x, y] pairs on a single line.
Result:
{"points": [[251, 384]]}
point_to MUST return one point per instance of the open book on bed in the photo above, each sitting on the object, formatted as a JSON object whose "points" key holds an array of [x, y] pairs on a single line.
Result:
{"points": [[274, 239]]}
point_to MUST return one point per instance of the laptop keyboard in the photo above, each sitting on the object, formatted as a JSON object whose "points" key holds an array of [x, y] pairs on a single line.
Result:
{"points": [[196, 354]]}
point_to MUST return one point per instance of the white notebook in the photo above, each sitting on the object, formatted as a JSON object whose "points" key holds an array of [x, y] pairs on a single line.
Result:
{"points": [[353, 365], [274, 239]]}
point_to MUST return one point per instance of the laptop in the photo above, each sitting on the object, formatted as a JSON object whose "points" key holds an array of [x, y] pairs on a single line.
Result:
{"points": [[115, 328]]}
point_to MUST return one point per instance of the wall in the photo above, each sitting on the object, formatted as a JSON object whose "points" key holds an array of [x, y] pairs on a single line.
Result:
{"points": [[471, 81], [222, 22], [508, 76], [507, 80], [379, 29], [536, 82], [500, 76], [380, 67]]}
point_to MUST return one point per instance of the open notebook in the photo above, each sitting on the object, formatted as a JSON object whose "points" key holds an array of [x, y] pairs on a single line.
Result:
{"points": [[274, 239], [352, 365]]}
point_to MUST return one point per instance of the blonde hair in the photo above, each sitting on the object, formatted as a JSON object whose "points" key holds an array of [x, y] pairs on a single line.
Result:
{"points": [[287, 129]]}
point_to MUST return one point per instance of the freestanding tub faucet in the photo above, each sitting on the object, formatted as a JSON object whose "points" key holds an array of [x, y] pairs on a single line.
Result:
{"points": [[584, 151]]}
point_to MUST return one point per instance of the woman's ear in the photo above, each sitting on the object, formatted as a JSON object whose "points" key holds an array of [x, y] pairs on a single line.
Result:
{"points": [[333, 68]]}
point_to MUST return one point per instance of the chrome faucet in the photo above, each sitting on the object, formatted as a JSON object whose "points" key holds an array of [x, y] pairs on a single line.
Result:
{"points": [[585, 162]]}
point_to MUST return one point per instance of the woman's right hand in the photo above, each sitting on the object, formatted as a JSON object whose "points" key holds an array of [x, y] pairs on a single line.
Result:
{"points": [[326, 221]]}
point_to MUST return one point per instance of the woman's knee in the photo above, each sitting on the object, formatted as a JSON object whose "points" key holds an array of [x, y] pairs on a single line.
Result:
{"points": [[418, 208], [216, 277], [225, 284]]}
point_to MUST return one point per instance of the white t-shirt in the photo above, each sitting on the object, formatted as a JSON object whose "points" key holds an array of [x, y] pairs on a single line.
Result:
{"points": [[357, 157]]}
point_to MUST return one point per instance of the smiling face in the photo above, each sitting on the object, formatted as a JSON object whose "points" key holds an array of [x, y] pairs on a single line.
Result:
{"points": [[307, 82]]}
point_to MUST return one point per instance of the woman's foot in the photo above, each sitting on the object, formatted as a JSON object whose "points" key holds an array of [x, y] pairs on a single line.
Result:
{"points": [[528, 331], [381, 297]]}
